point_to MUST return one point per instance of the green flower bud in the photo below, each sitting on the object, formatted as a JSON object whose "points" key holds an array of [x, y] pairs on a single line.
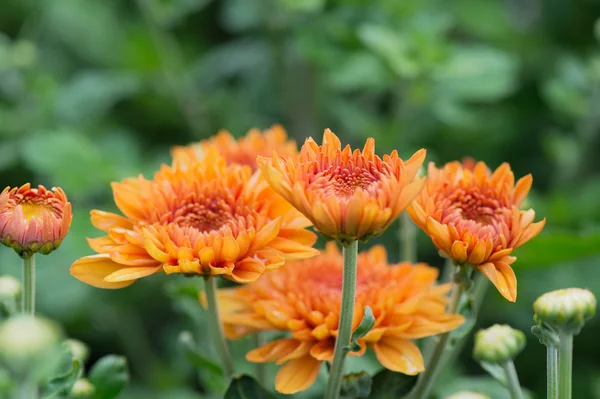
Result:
{"points": [[82, 389], [10, 288], [27, 342], [566, 309], [468, 395], [79, 349], [498, 344]]}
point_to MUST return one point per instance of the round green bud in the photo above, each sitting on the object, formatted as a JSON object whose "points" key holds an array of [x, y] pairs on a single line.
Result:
{"points": [[498, 344], [82, 389], [10, 288], [566, 309], [79, 350], [467, 395]]}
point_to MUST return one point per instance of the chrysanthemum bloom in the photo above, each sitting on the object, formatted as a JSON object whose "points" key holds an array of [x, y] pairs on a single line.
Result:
{"points": [[195, 217], [244, 150], [472, 215], [347, 195], [34, 220], [304, 298]]}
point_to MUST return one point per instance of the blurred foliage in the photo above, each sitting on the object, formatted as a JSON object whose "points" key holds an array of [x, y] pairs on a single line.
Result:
{"points": [[92, 91]]}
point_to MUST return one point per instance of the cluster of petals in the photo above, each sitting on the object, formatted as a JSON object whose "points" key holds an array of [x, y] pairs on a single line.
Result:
{"points": [[347, 195], [304, 298], [34, 219], [244, 150], [198, 216], [473, 216]]}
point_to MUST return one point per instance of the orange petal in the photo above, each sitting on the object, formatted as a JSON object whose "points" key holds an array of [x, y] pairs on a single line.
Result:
{"points": [[478, 254], [131, 273], [107, 220], [272, 351], [459, 251], [530, 232], [439, 234], [503, 277], [247, 270], [93, 269], [399, 355], [522, 189], [297, 375], [323, 350]]}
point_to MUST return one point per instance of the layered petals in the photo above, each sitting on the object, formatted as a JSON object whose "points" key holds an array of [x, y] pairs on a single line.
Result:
{"points": [[304, 298], [346, 194], [198, 216], [473, 216]]}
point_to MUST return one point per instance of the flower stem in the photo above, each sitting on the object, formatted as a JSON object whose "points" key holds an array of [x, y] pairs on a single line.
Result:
{"points": [[28, 291], [512, 380], [408, 239], [565, 365], [345, 324], [552, 372], [216, 325], [433, 366], [260, 367]]}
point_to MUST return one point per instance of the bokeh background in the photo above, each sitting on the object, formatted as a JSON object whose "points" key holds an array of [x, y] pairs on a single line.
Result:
{"points": [[92, 91]]}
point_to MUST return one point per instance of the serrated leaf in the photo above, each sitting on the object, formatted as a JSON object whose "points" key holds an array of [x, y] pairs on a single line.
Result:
{"points": [[60, 387], [390, 385], [366, 324], [245, 387], [109, 376], [356, 386], [196, 357]]}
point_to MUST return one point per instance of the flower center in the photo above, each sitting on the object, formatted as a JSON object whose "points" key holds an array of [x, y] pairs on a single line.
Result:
{"points": [[204, 216], [476, 206], [35, 207], [344, 183]]}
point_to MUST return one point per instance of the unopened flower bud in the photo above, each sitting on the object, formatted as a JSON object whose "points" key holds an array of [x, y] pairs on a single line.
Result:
{"points": [[82, 389], [79, 350], [24, 340], [10, 288], [566, 309], [467, 395], [498, 344]]}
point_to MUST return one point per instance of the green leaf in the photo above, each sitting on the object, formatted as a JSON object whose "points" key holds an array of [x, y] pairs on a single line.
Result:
{"points": [[495, 370], [61, 386], [109, 376], [195, 356], [356, 386], [393, 47], [245, 387], [363, 328], [390, 385]]}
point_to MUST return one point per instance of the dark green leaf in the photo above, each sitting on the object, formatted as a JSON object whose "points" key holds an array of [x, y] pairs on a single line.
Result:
{"points": [[195, 356], [390, 385], [109, 375], [245, 387], [363, 328], [356, 386], [60, 387]]}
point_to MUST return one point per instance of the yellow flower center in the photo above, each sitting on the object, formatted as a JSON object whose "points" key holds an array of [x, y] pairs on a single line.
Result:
{"points": [[32, 208]]}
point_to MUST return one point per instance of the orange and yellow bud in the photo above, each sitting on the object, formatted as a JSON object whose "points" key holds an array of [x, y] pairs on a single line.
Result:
{"points": [[347, 195], [472, 215], [244, 150], [199, 216], [34, 220], [304, 298]]}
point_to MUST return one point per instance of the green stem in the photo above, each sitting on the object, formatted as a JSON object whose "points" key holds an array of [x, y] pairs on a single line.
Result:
{"points": [[216, 325], [261, 375], [565, 365], [345, 324], [552, 372], [512, 380], [433, 366], [408, 239], [28, 292]]}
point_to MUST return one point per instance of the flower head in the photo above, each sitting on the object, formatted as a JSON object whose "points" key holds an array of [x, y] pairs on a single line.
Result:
{"points": [[244, 150], [304, 298], [473, 216], [498, 344], [34, 219], [566, 309], [195, 217], [347, 195]]}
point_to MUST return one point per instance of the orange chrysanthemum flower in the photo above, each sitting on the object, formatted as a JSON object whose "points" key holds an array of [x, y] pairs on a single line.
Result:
{"points": [[347, 195], [244, 150], [304, 298], [195, 217], [472, 215], [34, 220]]}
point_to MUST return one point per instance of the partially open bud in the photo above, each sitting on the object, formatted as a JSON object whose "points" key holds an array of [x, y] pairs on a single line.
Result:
{"points": [[34, 219], [79, 350], [82, 389], [566, 309], [27, 342], [467, 395], [10, 288], [498, 344]]}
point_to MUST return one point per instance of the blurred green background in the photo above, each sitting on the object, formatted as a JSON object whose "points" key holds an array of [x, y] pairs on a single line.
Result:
{"points": [[92, 91]]}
